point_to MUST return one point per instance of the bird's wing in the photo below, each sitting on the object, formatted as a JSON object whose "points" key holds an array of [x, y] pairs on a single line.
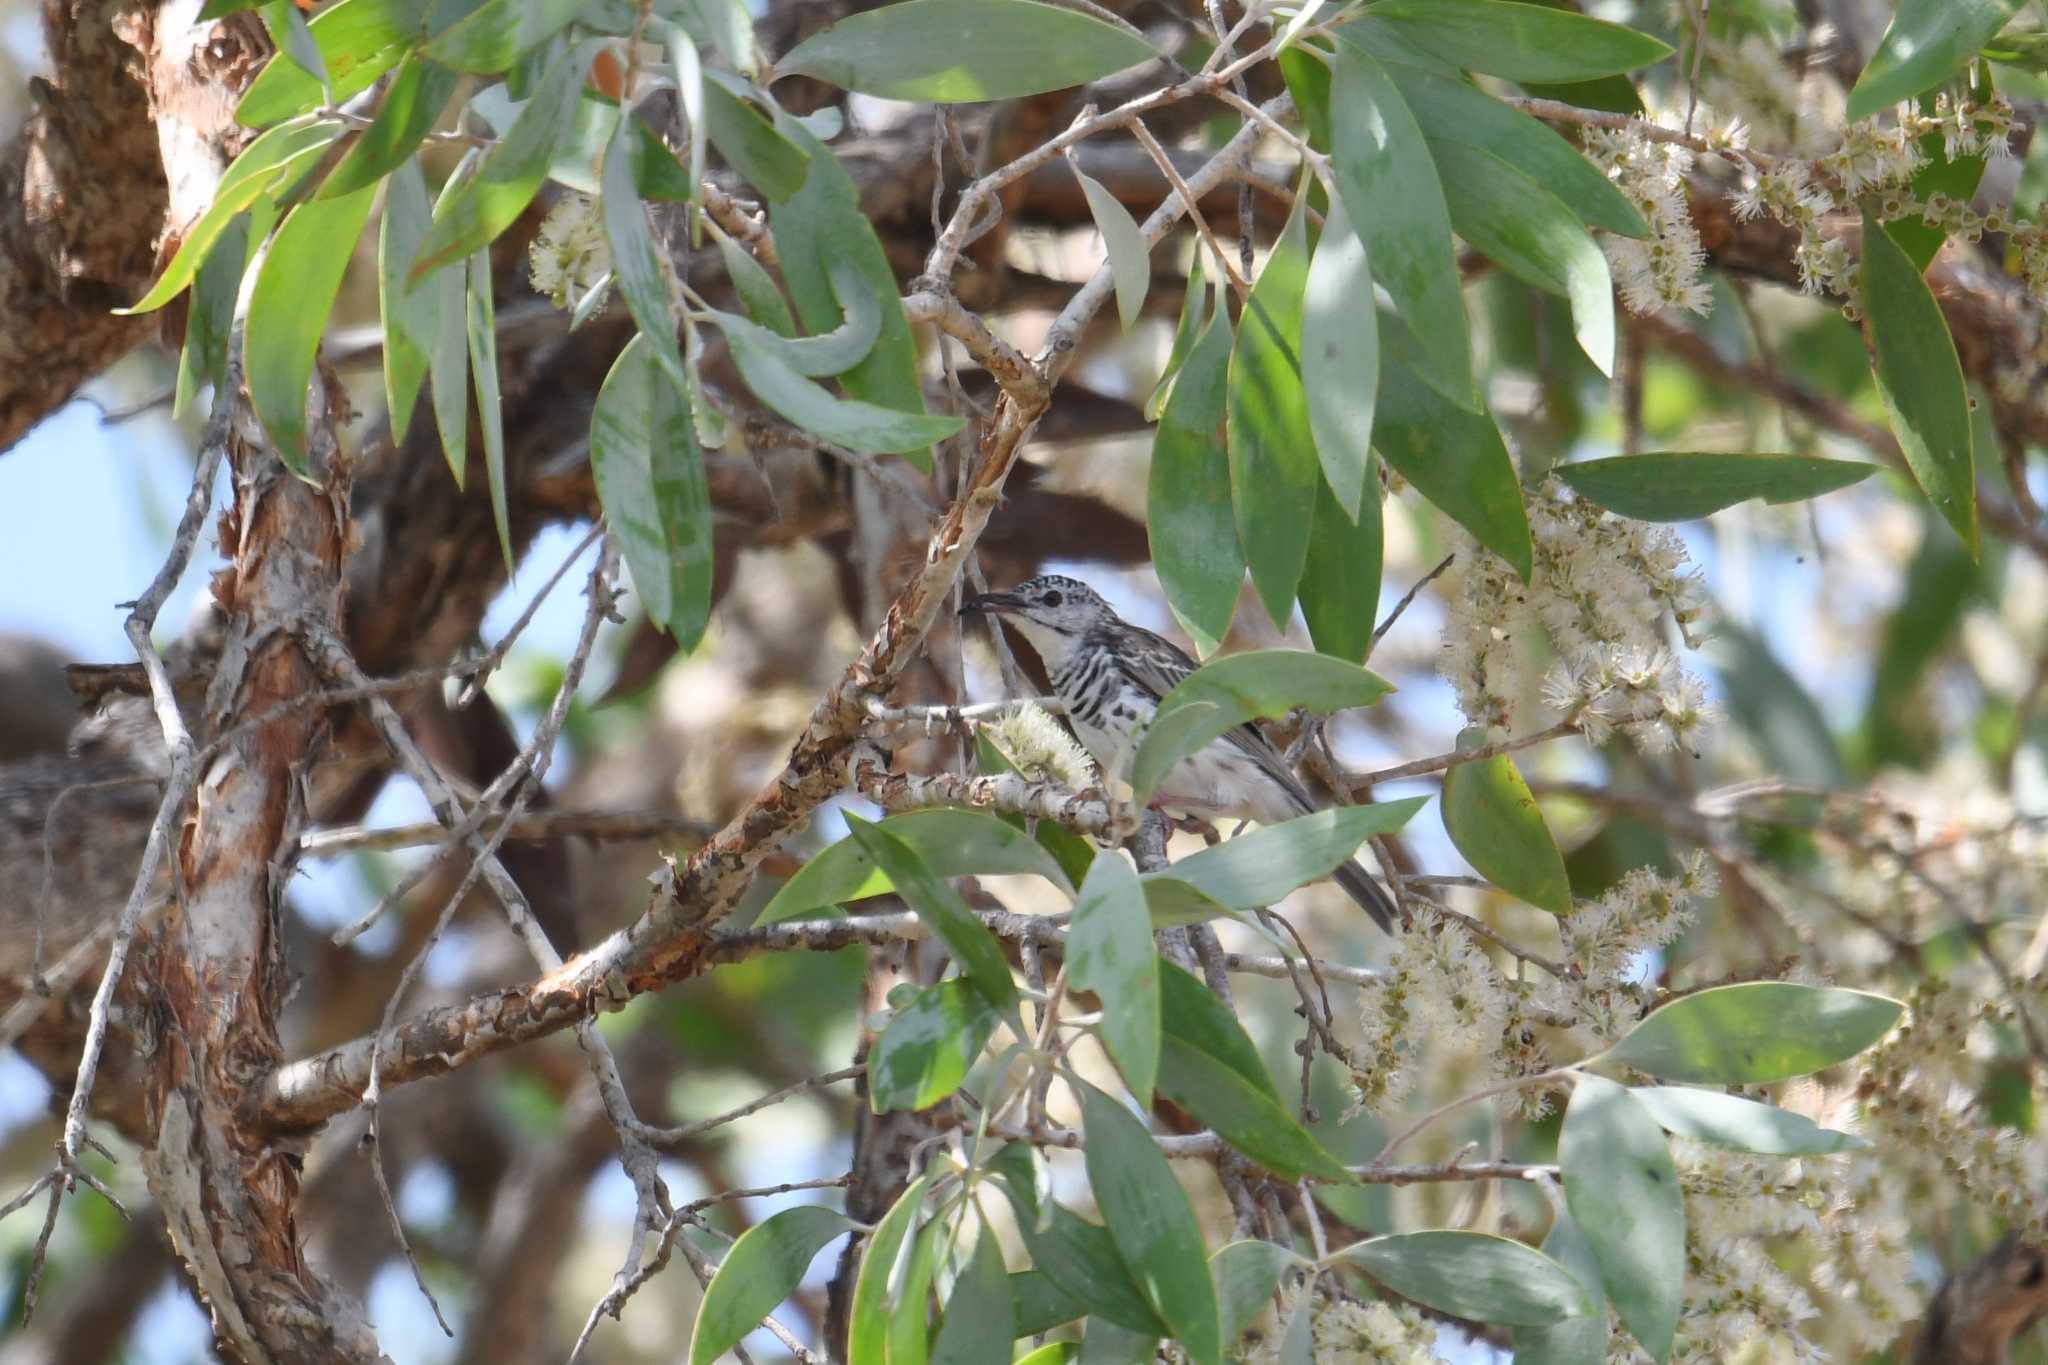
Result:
{"points": [[1158, 665]]}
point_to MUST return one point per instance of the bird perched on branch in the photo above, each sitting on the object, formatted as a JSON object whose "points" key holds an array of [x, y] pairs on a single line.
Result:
{"points": [[1110, 675]]}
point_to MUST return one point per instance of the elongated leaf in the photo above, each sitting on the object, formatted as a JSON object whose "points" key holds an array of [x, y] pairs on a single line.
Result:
{"points": [[725, 24], [1495, 822], [1264, 866], [483, 367], [1519, 41], [636, 262], [1575, 1340], [1755, 1033], [1243, 1115], [1920, 379], [1471, 1275], [822, 226], [1151, 1223], [923, 1054], [1190, 1013], [1622, 1187], [293, 39], [1273, 472], [1454, 458], [762, 1269], [843, 421], [955, 51], [867, 1335], [448, 361], [1247, 1275], [1455, 111], [414, 99], [1171, 902], [1081, 1260], [1039, 1305], [841, 348], [498, 33], [266, 166], [1928, 41], [909, 1320], [1130, 260], [1340, 583], [210, 316], [953, 843], [1187, 500], [1110, 952], [750, 144], [1054, 1353], [487, 203], [1745, 1125], [650, 478], [978, 1326], [1104, 1342], [758, 292], [299, 277], [1262, 684], [1529, 233], [577, 158], [943, 912], [1389, 188], [357, 41], [1674, 486], [1194, 316], [1958, 179], [1340, 369]]}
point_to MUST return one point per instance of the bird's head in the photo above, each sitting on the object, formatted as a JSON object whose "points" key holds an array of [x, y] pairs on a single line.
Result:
{"points": [[1053, 612]]}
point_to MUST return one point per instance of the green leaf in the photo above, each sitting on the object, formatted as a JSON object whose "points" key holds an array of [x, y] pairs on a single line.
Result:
{"points": [[293, 39], [210, 316], [448, 360], [650, 479], [483, 368], [1677, 486], [1151, 1223], [1454, 111], [1577, 1340], [498, 33], [867, 1333], [726, 24], [757, 290], [488, 202], [909, 1327], [1471, 1275], [1172, 902], [1958, 179], [763, 157], [266, 166], [823, 225], [414, 99], [1110, 952], [1622, 1188], [1520, 41], [978, 1326], [762, 1269], [943, 912], [357, 41], [1928, 41], [1057, 1353], [1187, 499], [1080, 1258], [1262, 867], [1190, 1013], [1755, 1033], [1388, 184], [1920, 379], [1130, 260], [1273, 473], [1340, 583], [1745, 1125], [1194, 314], [843, 421], [295, 287], [832, 352], [1242, 1114], [1039, 1305], [1340, 370], [953, 843], [636, 262], [1247, 1274], [924, 1052], [1495, 822], [1261, 684], [956, 51], [1529, 233], [1104, 1342], [1454, 458]]}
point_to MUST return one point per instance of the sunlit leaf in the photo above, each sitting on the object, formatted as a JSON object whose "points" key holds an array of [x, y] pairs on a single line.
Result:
{"points": [[498, 33], [761, 1270], [977, 1327], [1495, 822], [1755, 1033], [1745, 1125], [1264, 866], [296, 284], [1130, 260], [867, 1335], [356, 41], [953, 843], [490, 408], [924, 1052], [415, 98], [1928, 41], [1522, 42], [1676, 486], [1110, 952], [943, 912]]}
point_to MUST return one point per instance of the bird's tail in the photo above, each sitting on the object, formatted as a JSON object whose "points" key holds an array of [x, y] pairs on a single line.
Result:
{"points": [[1367, 892]]}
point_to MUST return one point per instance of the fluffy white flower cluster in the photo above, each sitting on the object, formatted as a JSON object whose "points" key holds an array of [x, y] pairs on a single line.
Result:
{"points": [[1040, 748], [1601, 589], [1346, 1332], [569, 256], [1439, 993], [1644, 911], [1660, 272]]}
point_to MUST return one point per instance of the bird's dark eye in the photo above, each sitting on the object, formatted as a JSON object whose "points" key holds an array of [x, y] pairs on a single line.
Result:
{"points": [[1055, 598]]}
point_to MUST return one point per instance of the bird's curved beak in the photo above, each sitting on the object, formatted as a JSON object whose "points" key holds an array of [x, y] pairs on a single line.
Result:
{"points": [[991, 604]]}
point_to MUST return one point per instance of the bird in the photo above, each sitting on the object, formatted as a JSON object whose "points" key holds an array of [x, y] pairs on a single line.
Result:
{"points": [[1111, 675]]}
